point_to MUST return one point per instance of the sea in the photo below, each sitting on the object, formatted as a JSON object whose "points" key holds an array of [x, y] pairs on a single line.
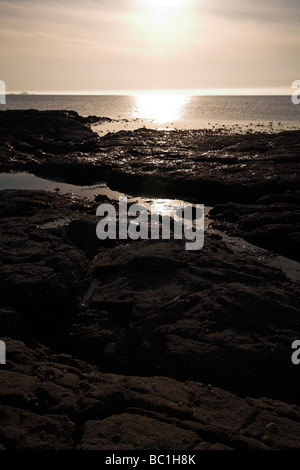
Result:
{"points": [[172, 111]]}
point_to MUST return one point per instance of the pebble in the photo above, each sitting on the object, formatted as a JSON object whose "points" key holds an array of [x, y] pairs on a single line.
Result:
{"points": [[272, 428]]}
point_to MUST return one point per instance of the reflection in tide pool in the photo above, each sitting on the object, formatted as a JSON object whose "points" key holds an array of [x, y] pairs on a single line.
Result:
{"points": [[160, 108], [28, 181], [163, 206], [174, 208]]}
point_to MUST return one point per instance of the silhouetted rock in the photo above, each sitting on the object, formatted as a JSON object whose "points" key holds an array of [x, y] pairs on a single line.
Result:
{"points": [[211, 315], [144, 345], [211, 166], [52, 401], [42, 271], [272, 223]]}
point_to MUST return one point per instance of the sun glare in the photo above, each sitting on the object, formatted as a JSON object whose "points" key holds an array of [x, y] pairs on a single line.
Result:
{"points": [[165, 23], [165, 9], [164, 5], [160, 108]]}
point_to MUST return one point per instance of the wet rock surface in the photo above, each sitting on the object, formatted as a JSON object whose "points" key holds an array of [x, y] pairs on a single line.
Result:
{"points": [[144, 345], [211, 166], [272, 223]]}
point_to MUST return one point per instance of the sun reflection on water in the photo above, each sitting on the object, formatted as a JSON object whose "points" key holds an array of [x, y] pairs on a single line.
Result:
{"points": [[160, 109]]}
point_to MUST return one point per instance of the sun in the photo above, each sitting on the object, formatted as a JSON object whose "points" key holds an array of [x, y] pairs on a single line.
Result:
{"points": [[163, 7], [164, 24], [165, 3]]}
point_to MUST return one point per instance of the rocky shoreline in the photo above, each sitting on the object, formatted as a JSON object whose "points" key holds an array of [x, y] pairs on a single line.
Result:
{"points": [[170, 350]]}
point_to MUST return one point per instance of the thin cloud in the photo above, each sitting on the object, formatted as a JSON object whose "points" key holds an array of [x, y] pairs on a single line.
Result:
{"points": [[105, 44], [285, 13]]}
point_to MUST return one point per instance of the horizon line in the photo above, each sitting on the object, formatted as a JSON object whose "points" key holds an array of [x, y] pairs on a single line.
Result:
{"points": [[258, 91]]}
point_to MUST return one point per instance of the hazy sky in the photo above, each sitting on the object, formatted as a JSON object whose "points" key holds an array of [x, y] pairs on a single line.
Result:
{"points": [[114, 45]]}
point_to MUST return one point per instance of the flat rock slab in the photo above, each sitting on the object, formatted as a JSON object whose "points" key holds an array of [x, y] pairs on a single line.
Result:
{"points": [[52, 401], [210, 315]]}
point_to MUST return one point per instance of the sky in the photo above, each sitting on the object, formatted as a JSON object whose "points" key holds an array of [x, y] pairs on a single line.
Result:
{"points": [[116, 46]]}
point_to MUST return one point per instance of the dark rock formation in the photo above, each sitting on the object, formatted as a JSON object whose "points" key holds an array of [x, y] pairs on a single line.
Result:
{"points": [[272, 223], [210, 166], [144, 345], [43, 273], [210, 315], [52, 401]]}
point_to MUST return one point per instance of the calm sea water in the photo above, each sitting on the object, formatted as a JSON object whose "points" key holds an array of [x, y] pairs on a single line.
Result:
{"points": [[172, 111]]}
